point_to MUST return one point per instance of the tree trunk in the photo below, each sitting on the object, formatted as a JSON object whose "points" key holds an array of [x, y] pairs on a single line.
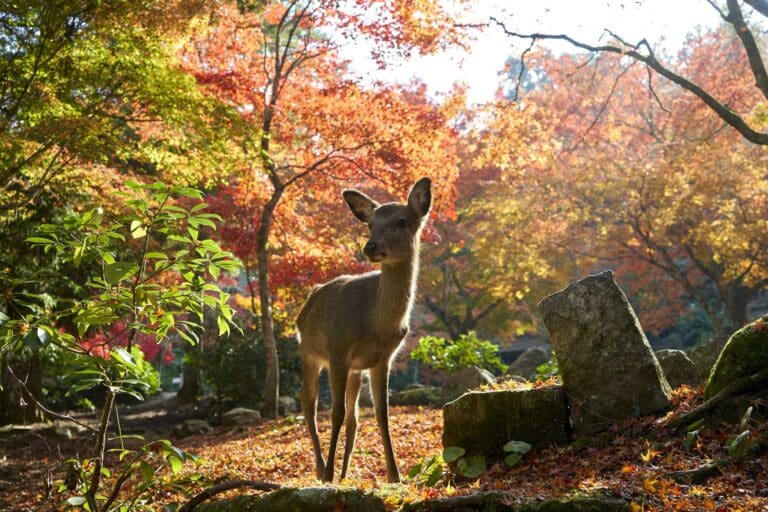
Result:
{"points": [[736, 299], [192, 384], [272, 377]]}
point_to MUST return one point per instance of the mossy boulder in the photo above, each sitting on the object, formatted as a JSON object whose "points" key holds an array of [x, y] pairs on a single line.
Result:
{"points": [[745, 354], [309, 499], [500, 502], [426, 395], [482, 422]]}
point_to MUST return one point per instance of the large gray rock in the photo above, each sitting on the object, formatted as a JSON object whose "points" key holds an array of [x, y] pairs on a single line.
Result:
{"points": [[525, 365], [482, 422], [191, 427], [288, 405], [608, 368], [464, 380], [240, 416], [678, 368]]}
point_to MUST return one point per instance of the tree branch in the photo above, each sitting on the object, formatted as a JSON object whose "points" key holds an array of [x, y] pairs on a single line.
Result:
{"points": [[649, 59], [228, 486]]}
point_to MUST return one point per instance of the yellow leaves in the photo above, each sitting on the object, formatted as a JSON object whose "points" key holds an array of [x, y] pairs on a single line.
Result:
{"points": [[650, 485], [649, 455]]}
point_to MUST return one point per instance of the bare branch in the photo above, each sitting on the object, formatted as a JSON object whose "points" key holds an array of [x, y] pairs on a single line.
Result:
{"points": [[649, 59]]}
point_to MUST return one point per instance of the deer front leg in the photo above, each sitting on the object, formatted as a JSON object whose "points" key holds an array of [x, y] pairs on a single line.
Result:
{"points": [[310, 371], [354, 380], [338, 377], [380, 395]]}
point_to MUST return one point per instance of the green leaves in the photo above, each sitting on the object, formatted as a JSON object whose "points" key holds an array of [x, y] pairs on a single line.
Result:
{"points": [[452, 453], [516, 450], [452, 356], [428, 472], [471, 467], [114, 273]]}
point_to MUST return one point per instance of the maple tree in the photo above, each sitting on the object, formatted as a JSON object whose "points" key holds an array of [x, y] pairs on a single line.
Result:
{"points": [[747, 119], [648, 183], [303, 134]]}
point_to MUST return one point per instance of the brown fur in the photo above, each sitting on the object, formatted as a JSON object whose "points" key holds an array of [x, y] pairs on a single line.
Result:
{"points": [[356, 323]]}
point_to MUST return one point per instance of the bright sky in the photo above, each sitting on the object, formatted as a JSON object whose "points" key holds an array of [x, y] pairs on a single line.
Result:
{"points": [[664, 23]]}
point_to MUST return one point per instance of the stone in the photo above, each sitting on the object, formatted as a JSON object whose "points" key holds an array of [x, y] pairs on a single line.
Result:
{"points": [[678, 368], [705, 355], [608, 368], [482, 422], [464, 380], [287, 405], [745, 354], [308, 499], [240, 416], [190, 428], [366, 400], [525, 365], [495, 501], [425, 395]]}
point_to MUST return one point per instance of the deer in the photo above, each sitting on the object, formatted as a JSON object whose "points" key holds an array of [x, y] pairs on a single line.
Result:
{"points": [[356, 323]]}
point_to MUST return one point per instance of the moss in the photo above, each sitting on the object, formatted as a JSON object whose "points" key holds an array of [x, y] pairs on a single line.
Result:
{"points": [[499, 502], [309, 499], [745, 353], [429, 396]]}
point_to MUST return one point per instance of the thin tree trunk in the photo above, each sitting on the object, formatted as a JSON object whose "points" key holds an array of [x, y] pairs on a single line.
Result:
{"points": [[272, 377], [736, 299]]}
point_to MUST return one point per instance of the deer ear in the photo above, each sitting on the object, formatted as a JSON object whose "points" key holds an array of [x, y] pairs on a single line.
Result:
{"points": [[420, 197], [360, 204]]}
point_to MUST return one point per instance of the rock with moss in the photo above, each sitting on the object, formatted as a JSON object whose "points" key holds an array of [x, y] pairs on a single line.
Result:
{"points": [[309, 499], [482, 422], [501, 502], [427, 395], [607, 365], [678, 368], [745, 354], [525, 365]]}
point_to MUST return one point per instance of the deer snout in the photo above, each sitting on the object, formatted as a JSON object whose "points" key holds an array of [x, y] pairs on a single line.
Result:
{"points": [[370, 248], [372, 251]]}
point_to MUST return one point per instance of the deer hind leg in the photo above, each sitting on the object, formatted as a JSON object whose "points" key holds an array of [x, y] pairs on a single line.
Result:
{"points": [[379, 393], [338, 378], [354, 379], [308, 395]]}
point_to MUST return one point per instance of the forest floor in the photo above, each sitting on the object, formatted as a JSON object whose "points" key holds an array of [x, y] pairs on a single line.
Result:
{"points": [[630, 462]]}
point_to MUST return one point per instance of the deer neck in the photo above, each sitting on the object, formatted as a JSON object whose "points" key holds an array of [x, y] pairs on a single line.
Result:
{"points": [[394, 296]]}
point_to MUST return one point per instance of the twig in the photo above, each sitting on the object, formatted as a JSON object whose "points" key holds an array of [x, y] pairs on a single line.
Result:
{"points": [[42, 407]]}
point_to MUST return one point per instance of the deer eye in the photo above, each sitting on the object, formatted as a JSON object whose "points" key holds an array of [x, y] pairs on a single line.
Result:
{"points": [[401, 223]]}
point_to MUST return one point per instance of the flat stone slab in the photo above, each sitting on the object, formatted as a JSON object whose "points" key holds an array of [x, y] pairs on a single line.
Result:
{"points": [[482, 422], [609, 370]]}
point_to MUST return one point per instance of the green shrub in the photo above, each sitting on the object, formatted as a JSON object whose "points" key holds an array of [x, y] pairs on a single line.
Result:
{"points": [[453, 356]]}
